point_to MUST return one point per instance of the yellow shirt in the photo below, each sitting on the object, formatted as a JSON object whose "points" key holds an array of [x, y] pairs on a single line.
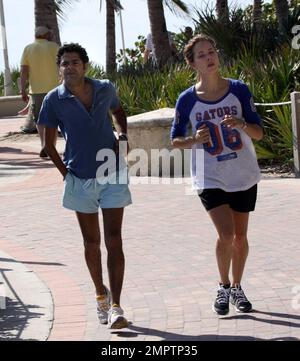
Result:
{"points": [[40, 56]]}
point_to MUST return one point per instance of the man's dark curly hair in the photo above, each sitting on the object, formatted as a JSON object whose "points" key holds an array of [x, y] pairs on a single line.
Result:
{"points": [[72, 48]]}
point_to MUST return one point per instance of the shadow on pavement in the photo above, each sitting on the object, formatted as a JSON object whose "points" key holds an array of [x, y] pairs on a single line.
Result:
{"points": [[26, 262], [15, 315], [250, 316], [15, 151], [32, 163], [29, 162], [170, 336], [15, 318]]}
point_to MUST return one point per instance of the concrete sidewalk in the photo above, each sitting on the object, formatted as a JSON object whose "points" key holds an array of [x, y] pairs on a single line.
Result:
{"points": [[171, 273]]}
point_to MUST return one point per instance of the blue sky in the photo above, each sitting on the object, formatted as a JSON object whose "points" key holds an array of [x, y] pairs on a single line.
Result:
{"points": [[85, 25]]}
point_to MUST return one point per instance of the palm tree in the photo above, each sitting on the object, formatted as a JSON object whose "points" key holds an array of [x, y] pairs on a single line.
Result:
{"points": [[282, 13], [112, 6], [110, 38], [222, 11], [160, 38], [257, 15], [45, 13]]}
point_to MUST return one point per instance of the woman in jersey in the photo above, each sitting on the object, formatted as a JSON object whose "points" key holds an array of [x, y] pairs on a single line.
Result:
{"points": [[224, 167]]}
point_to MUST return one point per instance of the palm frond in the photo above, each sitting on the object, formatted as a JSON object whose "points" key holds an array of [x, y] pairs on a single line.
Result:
{"points": [[177, 7], [62, 7]]}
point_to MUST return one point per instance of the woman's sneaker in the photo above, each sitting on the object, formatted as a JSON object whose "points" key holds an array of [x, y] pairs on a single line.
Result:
{"points": [[221, 305], [103, 306], [116, 319], [239, 300]]}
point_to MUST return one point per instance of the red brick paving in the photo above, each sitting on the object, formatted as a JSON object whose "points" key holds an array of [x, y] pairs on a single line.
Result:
{"points": [[171, 272]]}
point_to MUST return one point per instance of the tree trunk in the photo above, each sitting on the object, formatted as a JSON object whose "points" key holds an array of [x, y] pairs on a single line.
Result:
{"points": [[45, 15], [222, 11], [160, 38], [257, 15], [111, 65], [282, 13]]}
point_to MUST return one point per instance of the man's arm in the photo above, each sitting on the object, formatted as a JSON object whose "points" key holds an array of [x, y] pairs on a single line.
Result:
{"points": [[24, 81], [50, 137], [120, 120]]}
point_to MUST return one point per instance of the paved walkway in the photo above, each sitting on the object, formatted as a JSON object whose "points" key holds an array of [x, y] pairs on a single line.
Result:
{"points": [[171, 272]]}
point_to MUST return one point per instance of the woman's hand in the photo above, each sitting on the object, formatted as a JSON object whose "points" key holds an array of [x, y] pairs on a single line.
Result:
{"points": [[202, 135], [233, 122]]}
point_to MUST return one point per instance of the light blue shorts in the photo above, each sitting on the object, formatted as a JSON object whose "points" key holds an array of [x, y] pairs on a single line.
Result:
{"points": [[87, 195]]}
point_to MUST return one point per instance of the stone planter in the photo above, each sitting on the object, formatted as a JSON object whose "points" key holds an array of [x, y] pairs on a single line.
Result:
{"points": [[150, 146], [10, 105]]}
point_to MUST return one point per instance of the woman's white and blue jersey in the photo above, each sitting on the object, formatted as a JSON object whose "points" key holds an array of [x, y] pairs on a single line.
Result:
{"points": [[229, 161]]}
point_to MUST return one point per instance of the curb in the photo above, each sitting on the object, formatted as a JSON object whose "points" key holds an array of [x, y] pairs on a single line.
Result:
{"points": [[27, 307]]}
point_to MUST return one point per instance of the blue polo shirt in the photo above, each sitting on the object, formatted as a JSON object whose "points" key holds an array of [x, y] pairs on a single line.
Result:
{"points": [[85, 132]]}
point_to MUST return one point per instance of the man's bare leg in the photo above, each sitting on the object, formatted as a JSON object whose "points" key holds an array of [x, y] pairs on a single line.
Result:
{"points": [[89, 225], [112, 221]]}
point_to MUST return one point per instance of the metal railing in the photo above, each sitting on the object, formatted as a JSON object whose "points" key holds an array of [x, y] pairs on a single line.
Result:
{"points": [[295, 104], [272, 104]]}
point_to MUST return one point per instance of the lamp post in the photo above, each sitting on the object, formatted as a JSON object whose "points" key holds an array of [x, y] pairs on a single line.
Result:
{"points": [[8, 90]]}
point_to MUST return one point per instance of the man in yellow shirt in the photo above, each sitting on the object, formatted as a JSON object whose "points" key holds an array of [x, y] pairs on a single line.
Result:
{"points": [[39, 69]]}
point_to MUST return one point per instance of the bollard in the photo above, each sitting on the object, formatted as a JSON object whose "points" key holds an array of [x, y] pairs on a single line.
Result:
{"points": [[295, 99]]}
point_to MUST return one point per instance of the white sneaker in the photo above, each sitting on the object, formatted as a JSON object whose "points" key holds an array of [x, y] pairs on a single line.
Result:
{"points": [[103, 306], [116, 318]]}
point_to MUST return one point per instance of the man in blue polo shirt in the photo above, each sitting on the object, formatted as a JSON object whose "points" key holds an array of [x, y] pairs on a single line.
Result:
{"points": [[81, 107]]}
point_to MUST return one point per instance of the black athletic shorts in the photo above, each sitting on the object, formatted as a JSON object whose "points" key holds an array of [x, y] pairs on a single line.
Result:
{"points": [[241, 201]]}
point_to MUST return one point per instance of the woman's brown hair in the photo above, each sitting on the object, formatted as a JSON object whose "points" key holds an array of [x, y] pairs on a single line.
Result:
{"points": [[188, 50]]}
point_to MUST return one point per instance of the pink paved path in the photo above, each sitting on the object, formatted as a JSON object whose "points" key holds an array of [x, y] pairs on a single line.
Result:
{"points": [[171, 273]]}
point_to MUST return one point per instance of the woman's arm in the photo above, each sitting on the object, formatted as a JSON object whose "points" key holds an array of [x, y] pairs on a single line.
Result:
{"points": [[202, 136], [254, 131]]}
